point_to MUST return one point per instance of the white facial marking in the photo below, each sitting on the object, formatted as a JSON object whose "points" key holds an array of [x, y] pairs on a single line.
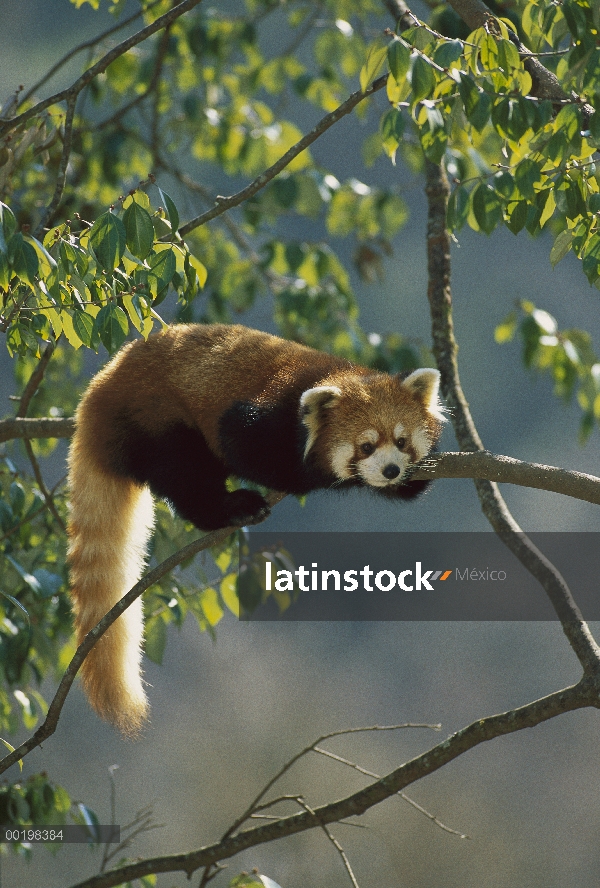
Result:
{"points": [[371, 468], [398, 430], [368, 437], [341, 458], [421, 443]]}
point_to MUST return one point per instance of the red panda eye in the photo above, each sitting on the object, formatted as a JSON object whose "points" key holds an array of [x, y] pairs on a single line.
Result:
{"points": [[367, 448], [401, 443]]}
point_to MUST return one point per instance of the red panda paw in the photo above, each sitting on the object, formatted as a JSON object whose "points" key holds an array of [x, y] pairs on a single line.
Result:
{"points": [[246, 507]]}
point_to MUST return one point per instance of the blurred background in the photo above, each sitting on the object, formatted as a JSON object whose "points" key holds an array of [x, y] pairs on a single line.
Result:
{"points": [[227, 714]]}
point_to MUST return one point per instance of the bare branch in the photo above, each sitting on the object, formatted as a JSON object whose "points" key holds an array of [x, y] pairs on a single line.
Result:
{"points": [[505, 469], [137, 100], [34, 381], [402, 795], [30, 389], [44, 427], [495, 509], [578, 696], [161, 22]]}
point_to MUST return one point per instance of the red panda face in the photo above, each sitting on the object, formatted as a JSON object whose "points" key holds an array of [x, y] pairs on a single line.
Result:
{"points": [[372, 429]]}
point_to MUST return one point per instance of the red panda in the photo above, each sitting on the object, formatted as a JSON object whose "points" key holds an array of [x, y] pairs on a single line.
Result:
{"points": [[176, 415]]}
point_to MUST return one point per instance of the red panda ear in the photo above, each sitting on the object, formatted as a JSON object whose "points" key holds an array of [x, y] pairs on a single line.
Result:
{"points": [[424, 384], [319, 396], [310, 402]]}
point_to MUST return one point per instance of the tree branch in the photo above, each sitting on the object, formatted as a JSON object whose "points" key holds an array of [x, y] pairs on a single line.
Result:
{"points": [[494, 507], [225, 203], [545, 84], [505, 469], [88, 44], [44, 427], [480, 464], [584, 694], [161, 22]]}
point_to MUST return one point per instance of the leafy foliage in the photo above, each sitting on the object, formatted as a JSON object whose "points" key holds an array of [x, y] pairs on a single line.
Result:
{"points": [[91, 254]]}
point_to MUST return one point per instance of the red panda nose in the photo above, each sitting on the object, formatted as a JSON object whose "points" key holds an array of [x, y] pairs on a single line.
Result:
{"points": [[391, 471]]}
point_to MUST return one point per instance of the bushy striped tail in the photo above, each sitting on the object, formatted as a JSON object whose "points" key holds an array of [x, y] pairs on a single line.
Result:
{"points": [[110, 521]]}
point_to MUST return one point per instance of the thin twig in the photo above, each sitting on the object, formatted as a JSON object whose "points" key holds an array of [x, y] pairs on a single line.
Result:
{"points": [[286, 767], [584, 694], [137, 100], [89, 44], [34, 381], [158, 24], [367, 773], [335, 844], [32, 386], [226, 203], [61, 177], [51, 505]]}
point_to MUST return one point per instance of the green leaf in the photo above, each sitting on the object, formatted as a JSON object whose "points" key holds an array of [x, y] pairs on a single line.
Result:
{"points": [[591, 258], [4, 271], [421, 78], [27, 578], [527, 174], [23, 259], [8, 225], [376, 56], [568, 120], [517, 216], [139, 230], [10, 598], [162, 268], [505, 331], [199, 268], [108, 239], [170, 209], [450, 51], [84, 327], [468, 93], [458, 209], [434, 137], [479, 116], [569, 198], [509, 118], [398, 55], [11, 749], [392, 125], [504, 184], [112, 326], [487, 207], [561, 246], [155, 639]]}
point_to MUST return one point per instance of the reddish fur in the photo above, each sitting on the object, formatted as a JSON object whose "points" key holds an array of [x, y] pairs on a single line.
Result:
{"points": [[189, 375]]}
